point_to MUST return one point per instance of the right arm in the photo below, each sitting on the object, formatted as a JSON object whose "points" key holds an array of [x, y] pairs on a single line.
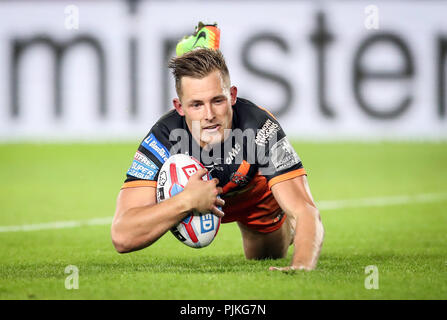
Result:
{"points": [[139, 220]]}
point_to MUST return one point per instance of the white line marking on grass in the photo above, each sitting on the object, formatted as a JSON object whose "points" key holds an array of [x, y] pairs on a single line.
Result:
{"points": [[57, 225], [322, 206], [381, 201]]}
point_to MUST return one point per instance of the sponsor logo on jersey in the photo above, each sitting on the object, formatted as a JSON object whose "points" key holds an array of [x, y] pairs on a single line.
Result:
{"points": [[268, 130], [233, 153], [206, 222], [142, 171], [140, 157], [159, 150], [283, 155]]}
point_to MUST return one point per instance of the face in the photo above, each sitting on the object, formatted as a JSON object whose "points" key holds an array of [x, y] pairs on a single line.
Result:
{"points": [[207, 106]]}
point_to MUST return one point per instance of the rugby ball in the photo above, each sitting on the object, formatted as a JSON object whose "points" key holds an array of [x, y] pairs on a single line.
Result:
{"points": [[198, 229]]}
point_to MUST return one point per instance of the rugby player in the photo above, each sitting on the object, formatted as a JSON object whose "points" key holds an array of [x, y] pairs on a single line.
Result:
{"points": [[258, 179]]}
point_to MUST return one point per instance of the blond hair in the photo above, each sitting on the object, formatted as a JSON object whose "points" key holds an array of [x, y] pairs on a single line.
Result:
{"points": [[198, 64]]}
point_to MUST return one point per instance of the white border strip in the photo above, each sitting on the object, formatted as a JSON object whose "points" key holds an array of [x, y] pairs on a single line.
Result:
{"points": [[322, 206]]}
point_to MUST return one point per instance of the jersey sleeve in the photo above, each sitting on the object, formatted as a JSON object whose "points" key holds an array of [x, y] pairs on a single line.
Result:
{"points": [[277, 159], [152, 152]]}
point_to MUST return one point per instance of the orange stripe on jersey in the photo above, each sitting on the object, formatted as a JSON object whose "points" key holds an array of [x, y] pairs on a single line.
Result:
{"points": [[271, 114], [139, 183], [242, 170], [287, 176]]}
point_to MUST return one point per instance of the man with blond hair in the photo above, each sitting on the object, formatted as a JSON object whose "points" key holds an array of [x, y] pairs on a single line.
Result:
{"points": [[258, 178]]}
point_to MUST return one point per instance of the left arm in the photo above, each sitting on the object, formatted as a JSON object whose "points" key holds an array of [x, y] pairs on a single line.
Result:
{"points": [[294, 197]]}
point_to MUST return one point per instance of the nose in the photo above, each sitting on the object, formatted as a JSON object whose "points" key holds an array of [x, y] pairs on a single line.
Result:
{"points": [[209, 112]]}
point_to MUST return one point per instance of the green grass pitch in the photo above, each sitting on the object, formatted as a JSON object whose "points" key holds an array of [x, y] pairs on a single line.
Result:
{"points": [[407, 242]]}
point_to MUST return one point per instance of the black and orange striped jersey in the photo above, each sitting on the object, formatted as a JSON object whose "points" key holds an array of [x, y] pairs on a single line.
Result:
{"points": [[255, 156]]}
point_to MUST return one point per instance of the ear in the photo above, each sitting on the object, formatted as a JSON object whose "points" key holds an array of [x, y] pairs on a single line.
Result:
{"points": [[178, 106], [233, 93]]}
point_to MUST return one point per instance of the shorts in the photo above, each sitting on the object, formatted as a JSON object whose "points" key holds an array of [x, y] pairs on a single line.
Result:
{"points": [[255, 207], [265, 224]]}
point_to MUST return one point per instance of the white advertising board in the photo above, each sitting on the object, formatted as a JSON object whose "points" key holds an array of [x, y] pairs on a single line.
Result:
{"points": [[96, 70]]}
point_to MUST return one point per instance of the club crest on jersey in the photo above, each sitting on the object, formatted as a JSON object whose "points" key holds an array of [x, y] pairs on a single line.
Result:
{"points": [[239, 179], [156, 148]]}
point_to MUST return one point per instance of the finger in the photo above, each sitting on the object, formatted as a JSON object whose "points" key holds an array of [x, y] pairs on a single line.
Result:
{"points": [[220, 202], [217, 212], [283, 269], [199, 174]]}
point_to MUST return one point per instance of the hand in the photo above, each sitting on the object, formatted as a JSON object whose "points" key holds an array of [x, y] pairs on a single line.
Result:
{"points": [[290, 269], [203, 195]]}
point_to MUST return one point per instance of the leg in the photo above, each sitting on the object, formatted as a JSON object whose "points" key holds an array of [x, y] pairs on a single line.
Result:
{"points": [[273, 245]]}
